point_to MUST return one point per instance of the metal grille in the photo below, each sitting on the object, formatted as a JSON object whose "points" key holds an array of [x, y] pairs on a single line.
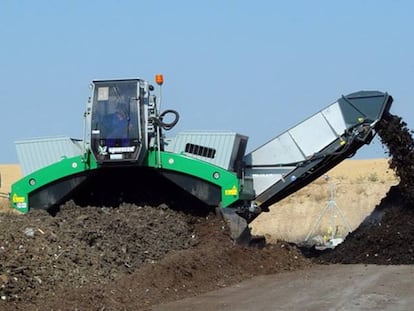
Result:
{"points": [[200, 150]]}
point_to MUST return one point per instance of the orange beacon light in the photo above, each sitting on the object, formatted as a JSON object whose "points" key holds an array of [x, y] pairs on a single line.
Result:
{"points": [[159, 79]]}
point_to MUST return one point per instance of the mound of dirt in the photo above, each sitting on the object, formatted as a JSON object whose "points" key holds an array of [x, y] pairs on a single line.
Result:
{"points": [[123, 258]]}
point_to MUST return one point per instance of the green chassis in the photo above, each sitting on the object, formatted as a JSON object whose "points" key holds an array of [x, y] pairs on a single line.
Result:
{"points": [[227, 181]]}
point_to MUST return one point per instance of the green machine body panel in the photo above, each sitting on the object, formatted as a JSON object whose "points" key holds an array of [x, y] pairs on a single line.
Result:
{"points": [[53, 184], [191, 170], [50, 185]]}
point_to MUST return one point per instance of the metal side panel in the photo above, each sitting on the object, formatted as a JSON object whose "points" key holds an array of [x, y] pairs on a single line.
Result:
{"points": [[282, 149], [334, 114], [53, 193], [313, 135], [221, 148], [263, 177], [299, 155], [227, 181], [301, 141], [206, 192], [34, 154]]}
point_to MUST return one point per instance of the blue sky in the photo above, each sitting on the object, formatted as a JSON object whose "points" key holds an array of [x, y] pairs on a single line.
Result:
{"points": [[254, 67]]}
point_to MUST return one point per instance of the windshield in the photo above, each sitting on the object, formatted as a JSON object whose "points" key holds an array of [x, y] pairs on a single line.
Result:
{"points": [[114, 111], [115, 118]]}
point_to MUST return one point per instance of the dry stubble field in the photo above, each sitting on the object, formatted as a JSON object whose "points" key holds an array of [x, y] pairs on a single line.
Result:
{"points": [[359, 185], [9, 173]]}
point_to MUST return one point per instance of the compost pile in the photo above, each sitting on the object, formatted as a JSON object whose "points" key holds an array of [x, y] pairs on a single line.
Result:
{"points": [[385, 237], [124, 258]]}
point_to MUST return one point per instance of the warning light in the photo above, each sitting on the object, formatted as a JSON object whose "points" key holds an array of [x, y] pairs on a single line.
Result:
{"points": [[159, 79]]}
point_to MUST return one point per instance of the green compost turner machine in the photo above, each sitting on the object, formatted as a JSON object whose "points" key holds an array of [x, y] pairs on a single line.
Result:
{"points": [[125, 156]]}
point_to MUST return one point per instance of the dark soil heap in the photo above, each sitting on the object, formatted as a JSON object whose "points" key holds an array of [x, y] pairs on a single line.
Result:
{"points": [[387, 235], [125, 258]]}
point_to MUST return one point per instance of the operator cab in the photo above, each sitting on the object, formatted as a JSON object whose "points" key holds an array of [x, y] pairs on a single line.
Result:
{"points": [[115, 120]]}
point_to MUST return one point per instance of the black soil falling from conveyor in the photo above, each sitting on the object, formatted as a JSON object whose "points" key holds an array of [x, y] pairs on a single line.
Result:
{"points": [[395, 135], [387, 235]]}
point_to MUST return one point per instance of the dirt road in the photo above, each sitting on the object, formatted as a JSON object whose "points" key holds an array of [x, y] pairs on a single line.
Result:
{"points": [[333, 287]]}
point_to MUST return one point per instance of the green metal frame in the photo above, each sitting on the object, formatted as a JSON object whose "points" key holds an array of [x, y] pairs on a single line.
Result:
{"points": [[227, 181], [20, 190]]}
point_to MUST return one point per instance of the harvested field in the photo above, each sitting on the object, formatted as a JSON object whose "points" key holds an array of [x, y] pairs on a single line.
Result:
{"points": [[359, 186], [9, 174]]}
